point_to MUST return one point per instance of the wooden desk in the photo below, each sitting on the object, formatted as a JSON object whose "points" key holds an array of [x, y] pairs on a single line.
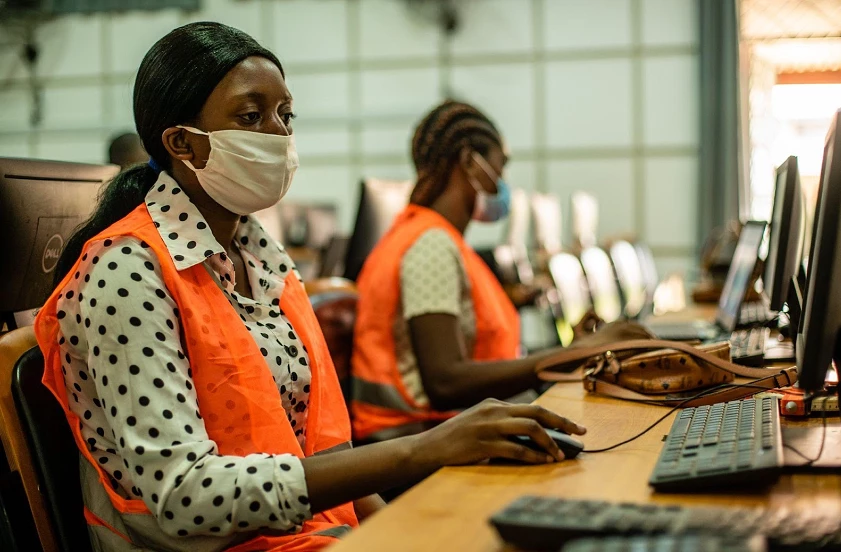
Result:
{"points": [[449, 510]]}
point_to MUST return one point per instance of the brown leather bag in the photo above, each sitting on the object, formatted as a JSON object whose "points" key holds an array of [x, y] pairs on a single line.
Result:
{"points": [[661, 372]]}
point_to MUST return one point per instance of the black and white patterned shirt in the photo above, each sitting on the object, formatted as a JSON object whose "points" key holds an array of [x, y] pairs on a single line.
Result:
{"points": [[129, 381]]}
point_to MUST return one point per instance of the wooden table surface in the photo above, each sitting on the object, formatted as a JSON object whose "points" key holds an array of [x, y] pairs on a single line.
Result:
{"points": [[449, 510]]}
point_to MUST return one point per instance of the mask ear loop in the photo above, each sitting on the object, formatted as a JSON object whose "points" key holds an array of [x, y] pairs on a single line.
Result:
{"points": [[485, 167], [194, 130]]}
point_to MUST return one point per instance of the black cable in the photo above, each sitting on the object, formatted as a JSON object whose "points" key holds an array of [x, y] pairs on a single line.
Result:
{"points": [[811, 461], [675, 408]]}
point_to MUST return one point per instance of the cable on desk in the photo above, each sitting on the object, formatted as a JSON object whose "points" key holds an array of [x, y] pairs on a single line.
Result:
{"points": [[810, 461], [677, 407]]}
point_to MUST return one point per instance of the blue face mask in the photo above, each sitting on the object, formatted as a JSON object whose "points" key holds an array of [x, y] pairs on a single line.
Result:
{"points": [[488, 207]]}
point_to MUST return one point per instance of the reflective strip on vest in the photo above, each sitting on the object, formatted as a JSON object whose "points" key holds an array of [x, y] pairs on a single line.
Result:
{"points": [[379, 394], [141, 529], [334, 532]]}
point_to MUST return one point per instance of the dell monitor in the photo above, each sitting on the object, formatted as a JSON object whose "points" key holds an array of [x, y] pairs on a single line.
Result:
{"points": [[41, 204], [817, 346], [786, 235]]}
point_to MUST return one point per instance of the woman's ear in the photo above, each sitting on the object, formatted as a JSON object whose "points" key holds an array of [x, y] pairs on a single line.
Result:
{"points": [[177, 144], [466, 162]]}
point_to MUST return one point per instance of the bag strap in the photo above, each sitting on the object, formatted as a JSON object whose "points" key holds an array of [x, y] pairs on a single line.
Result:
{"points": [[764, 378], [783, 378], [580, 354]]}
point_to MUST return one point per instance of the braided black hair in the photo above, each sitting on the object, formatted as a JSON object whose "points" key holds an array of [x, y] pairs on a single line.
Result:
{"points": [[438, 141]]}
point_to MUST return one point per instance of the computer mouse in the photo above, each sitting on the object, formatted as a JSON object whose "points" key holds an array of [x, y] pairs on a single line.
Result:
{"points": [[568, 445]]}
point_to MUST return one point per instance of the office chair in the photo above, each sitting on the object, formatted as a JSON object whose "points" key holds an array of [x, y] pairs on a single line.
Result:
{"points": [[23, 482], [380, 201], [573, 295], [607, 298], [628, 269], [54, 453], [334, 301]]}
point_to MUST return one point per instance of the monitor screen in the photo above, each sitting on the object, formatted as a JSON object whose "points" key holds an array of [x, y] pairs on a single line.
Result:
{"points": [[739, 276], [821, 318], [41, 204], [786, 235]]}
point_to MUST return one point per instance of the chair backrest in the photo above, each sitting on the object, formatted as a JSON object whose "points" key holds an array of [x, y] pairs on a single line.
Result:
{"points": [[629, 273], [334, 301], [607, 299], [13, 345], [519, 220], [546, 211], [380, 201], [585, 219], [54, 453], [649, 272], [573, 293]]}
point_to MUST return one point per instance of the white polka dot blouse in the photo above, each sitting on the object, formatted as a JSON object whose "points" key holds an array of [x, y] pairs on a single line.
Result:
{"points": [[130, 383]]}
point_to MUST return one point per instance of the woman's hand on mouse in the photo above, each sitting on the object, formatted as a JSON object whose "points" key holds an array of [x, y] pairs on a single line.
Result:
{"points": [[482, 432]]}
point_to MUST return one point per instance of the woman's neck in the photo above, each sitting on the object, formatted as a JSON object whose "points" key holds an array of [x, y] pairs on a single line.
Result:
{"points": [[451, 207]]}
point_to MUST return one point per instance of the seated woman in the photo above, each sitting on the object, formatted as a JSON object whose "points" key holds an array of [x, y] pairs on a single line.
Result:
{"points": [[435, 332], [184, 350]]}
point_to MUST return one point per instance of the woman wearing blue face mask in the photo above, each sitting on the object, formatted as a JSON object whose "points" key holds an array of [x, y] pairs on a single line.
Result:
{"points": [[435, 331]]}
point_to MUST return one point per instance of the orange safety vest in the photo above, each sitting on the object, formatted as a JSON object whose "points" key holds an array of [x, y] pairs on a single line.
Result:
{"points": [[240, 404], [380, 399]]}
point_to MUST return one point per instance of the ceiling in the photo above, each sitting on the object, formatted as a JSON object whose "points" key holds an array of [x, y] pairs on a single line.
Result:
{"points": [[794, 35], [774, 19]]}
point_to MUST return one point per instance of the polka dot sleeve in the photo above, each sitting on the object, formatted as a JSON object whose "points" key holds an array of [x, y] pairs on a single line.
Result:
{"points": [[431, 276], [126, 352]]}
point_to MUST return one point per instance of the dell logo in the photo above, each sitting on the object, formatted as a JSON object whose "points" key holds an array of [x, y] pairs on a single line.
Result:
{"points": [[52, 251]]}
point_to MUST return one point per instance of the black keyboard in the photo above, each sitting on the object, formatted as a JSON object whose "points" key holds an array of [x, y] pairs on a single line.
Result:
{"points": [[747, 347], [544, 523], [724, 445], [755, 314], [668, 543]]}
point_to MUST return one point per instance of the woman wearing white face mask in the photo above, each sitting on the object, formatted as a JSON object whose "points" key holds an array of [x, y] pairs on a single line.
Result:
{"points": [[435, 332], [184, 351]]}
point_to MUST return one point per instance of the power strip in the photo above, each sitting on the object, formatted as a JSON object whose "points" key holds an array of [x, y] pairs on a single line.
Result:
{"points": [[792, 403]]}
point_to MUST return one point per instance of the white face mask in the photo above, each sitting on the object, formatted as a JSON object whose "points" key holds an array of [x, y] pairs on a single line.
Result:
{"points": [[246, 171]]}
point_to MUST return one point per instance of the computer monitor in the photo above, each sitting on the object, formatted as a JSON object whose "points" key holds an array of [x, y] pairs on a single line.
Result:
{"points": [[817, 346], [310, 225], [546, 209], [786, 235], [380, 201], [739, 277], [41, 204]]}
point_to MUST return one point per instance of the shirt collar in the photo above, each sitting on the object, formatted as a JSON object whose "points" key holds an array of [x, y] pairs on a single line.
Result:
{"points": [[189, 241], [184, 231]]}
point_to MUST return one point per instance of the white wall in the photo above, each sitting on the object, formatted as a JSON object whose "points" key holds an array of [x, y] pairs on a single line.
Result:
{"points": [[593, 94]]}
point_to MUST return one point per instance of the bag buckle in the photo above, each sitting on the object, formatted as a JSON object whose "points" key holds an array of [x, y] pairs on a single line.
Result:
{"points": [[607, 362]]}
